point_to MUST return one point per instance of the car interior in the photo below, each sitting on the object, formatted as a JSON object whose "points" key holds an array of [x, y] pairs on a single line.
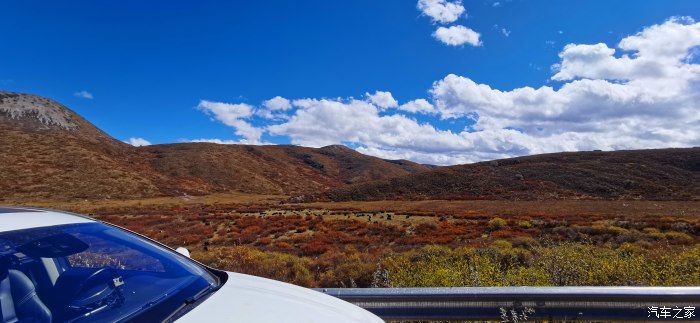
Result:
{"points": [[22, 281], [52, 275]]}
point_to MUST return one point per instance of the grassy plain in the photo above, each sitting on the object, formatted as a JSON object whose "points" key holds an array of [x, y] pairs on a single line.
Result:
{"points": [[423, 243]]}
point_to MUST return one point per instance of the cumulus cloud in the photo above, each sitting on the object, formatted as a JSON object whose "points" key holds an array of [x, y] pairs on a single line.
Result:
{"points": [[233, 115], [274, 109], [321, 122], [441, 11], [658, 52], [277, 103], [137, 142], [645, 96], [457, 36], [382, 99], [215, 141], [418, 106], [83, 94]]}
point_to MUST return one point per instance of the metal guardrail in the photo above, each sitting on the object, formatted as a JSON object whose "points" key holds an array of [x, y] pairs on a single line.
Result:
{"points": [[514, 304]]}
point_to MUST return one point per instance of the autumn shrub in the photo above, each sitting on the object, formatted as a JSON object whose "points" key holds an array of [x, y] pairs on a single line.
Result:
{"points": [[525, 242], [497, 223], [653, 234], [345, 269], [464, 249], [683, 227], [441, 266], [525, 224], [558, 265], [674, 237], [274, 265], [502, 244], [314, 247]]}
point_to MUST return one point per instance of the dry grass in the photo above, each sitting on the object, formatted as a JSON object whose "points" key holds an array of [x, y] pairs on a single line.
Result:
{"points": [[343, 244], [90, 206], [553, 208]]}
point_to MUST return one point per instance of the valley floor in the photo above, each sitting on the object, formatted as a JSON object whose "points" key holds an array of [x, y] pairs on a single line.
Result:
{"points": [[423, 243]]}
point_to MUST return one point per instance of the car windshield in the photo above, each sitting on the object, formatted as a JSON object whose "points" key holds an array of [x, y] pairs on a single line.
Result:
{"points": [[94, 272]]}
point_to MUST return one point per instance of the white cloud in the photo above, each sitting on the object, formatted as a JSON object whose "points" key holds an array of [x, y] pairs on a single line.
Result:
{"points": [[382, 99], [227, 113], [277, 103], [271, 115], [457, 35], [233, 115], [658, 52], [441, 11], [502, 30], [216, 141], [321, 122], [137, 142], [83, 94], [647, 97], [224, 141], [274, 109], [418, 106]]}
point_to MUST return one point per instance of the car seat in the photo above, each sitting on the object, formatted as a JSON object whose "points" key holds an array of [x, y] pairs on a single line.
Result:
{"points": [[18, 299]]}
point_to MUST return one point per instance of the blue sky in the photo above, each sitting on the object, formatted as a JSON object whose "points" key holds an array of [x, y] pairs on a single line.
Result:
{"points": [[149, 65]]}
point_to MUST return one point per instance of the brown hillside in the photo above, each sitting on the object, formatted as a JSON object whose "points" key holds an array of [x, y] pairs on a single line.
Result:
{"points": [[272, 169], [50, 152], [660, 174]]}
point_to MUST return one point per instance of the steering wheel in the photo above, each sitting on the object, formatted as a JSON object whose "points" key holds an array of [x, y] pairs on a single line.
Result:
{"points": [[96, 290]]}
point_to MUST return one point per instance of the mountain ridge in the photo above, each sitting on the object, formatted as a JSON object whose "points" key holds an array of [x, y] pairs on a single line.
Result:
{"points": [[652, 174], [49, 151]]}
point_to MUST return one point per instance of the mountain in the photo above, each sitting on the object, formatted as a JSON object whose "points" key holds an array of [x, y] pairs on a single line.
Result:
{"points": [[50, 152], [656, 174], [270, 169]]}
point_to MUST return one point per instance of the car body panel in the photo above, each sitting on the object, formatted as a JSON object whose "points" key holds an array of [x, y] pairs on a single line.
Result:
{"points": [[246, 298], [242, 298], [18, 219]]}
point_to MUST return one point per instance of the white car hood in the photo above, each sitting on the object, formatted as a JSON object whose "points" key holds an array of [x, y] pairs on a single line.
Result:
{"points": [[246, 298]]}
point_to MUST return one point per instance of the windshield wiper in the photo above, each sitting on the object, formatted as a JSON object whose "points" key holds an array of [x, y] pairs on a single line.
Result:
{"points": [[199, 295], [190, 303], [154, 302]]}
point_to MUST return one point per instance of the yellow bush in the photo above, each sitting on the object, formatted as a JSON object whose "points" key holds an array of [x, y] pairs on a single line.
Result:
{"points": [[678, 237], [274, 265], [501, 264], [560, 265], [497, 223], [525, 224], [502, 244]]}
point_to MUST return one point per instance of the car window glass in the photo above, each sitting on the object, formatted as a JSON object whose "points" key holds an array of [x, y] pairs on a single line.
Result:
{"points": [[104, 253]]}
